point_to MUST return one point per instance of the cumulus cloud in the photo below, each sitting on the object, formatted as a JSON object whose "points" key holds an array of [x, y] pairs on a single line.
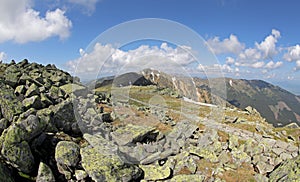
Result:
{"points": [[230, 60], [20, 23], [268, 46], [2, 56], [90, 5], [106, 58], [228, 45], [297, 68], [293, 53], [273, 65]]}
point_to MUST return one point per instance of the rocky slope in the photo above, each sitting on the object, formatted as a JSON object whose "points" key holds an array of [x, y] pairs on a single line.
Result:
{"points": [[277, 105], [55, 129]]}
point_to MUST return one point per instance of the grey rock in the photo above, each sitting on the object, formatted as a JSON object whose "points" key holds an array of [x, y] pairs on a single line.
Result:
{"points": [[10, 105], [67, 153], [32, 102], [187, 178], [287, 171], [80, 174], [20, 90], [155, 172], [32, 90], [45, 173], [101, 167], [131, 133]]}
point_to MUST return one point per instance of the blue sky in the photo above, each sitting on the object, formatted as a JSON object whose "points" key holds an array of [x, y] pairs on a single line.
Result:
{"points": [[252, 39]]}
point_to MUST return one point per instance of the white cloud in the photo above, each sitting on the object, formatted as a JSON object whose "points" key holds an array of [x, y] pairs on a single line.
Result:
{"points": [[20, 23], [230, 60], [249, 55], [268, 46], [228, 45], [111, 59], [90, 5], [293, 53], [273, 65], [259, 64], [297, 68], [2, 56]]}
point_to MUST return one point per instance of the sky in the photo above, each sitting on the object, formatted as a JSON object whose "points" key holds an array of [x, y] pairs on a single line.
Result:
{"points": [[251, 39]]}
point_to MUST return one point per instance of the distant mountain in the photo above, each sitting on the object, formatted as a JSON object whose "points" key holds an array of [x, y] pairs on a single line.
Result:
{"points": [[277, 105], [126, 79]]}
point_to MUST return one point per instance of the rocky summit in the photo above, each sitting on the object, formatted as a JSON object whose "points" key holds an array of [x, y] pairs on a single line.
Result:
{"points": [[53, 128]]}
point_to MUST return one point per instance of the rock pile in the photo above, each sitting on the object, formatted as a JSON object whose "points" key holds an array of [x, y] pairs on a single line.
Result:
{"points": [[54, 129]]}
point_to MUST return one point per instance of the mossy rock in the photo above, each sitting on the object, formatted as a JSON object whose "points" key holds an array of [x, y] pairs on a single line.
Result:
{"points": [[110, 168], [155, 172], [76, 89], [287, 171], [187, 178], [45, 173], [67, 153], [10, 106]]}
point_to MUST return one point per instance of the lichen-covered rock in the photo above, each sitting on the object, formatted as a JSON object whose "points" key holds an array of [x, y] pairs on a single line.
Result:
{"points": [[63, 115], [287, 171], [110, 168], [203, 153], [80, 174], [131, 133], [19, 155], [10, 106], [45, 173], [15, 139], [155, 172], [67, 153], [45, 100], [233, 142], [20, 90], [187, 178], [32, 102], [32, 90], [76, 89]]}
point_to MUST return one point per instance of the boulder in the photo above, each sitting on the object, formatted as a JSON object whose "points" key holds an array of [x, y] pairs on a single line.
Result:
{"points": [[131, 133], [10, 105], [76, 89], [32, 102], [32, 90], [67, 153], [187, 178], [15, 139], [101, 167], [287, 171], [155, 172], [63, 115], [45, 173]]}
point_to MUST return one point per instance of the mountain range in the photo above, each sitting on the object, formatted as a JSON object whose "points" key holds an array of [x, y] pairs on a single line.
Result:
{"points": [[277, 105]]}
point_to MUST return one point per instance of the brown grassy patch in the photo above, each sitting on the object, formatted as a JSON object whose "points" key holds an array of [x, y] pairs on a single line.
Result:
{"points": [[163, 128], [184, 170], [223, 136], [245, 173]]}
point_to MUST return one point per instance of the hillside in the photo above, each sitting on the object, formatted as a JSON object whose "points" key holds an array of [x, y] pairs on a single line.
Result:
{"points": [[53, 128], [277, 105]]}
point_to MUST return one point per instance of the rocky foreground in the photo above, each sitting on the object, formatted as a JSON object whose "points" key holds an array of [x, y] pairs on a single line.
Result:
{"points": [[54, 129]]}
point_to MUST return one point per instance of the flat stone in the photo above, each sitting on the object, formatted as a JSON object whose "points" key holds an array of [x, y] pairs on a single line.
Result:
{"points": [[131, 133], [101, 167], [155, 172]]}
